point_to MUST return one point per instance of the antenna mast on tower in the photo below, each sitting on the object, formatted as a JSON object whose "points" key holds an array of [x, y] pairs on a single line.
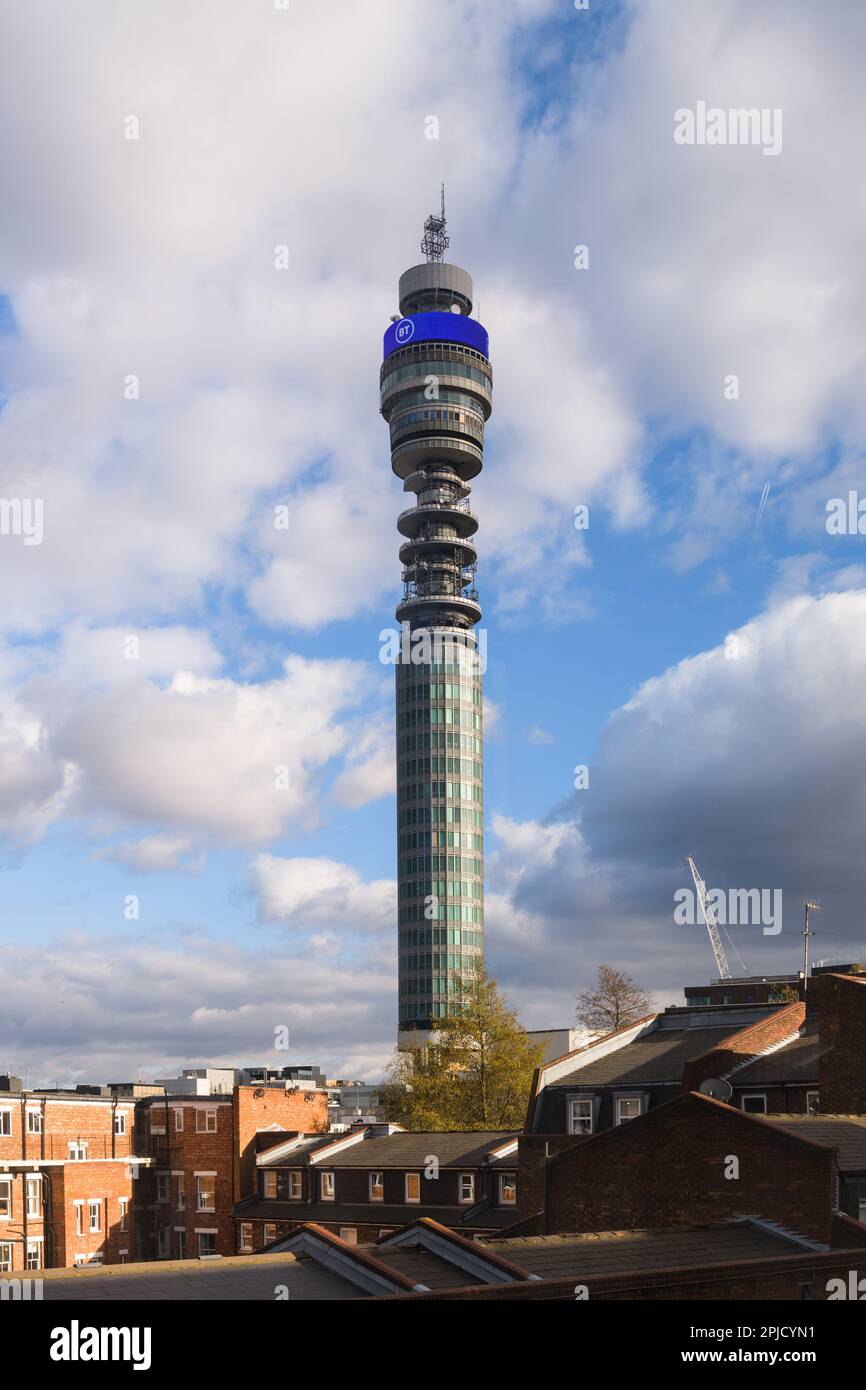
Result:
{"points": [[435, 242]]}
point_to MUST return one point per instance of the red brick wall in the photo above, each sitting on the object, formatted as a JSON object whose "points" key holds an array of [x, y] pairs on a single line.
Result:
{"points": [[751, 1041], [668, 1168], [107, 1183], [841, 1067], [257, 1107]]}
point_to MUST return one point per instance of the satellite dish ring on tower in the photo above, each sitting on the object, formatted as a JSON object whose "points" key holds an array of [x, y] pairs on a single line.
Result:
{"points": [[716, 1089]]}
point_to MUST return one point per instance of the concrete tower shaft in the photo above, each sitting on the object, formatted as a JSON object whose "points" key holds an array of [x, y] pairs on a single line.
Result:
{"points": [[436, 389]]}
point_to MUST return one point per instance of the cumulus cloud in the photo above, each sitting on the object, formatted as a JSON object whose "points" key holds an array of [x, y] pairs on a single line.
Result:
{"points": [[752, 758], [312, 893]]}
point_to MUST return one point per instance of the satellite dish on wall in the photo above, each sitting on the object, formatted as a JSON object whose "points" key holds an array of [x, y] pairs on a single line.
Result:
{"points": [[716, 1089]]}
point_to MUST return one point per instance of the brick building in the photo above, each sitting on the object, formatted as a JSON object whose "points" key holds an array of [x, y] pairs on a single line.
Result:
{"points": [[203, 1152], [69, 1177], [366, 1183]]}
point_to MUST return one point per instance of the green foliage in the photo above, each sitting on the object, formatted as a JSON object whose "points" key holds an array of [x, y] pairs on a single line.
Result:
{"points": [[476, 1074]]}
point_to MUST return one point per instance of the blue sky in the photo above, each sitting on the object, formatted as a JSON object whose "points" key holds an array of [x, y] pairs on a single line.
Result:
{"points": [[254, 387]]}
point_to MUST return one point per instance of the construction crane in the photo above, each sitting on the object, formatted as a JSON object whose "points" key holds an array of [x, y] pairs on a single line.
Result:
{"points": [[710, 919]]}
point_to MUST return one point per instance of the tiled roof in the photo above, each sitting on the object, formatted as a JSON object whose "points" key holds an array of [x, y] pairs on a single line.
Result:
{"points": [[846, 1133], [797, 1061], [658, 1056], [453, 1149], [611, 1252]]}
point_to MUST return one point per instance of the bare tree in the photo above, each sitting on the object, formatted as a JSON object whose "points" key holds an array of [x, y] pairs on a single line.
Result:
{"points": [[615, 1002]]}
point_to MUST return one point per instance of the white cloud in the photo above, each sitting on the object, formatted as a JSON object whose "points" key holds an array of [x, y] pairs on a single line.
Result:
{"points": [[309, 893]]}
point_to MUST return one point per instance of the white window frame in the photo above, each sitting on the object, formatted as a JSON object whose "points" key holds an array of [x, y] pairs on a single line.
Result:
{"points": [[94, 1210], [5, 1121], [295, 1185], [33, 1204], [34, 1121], [817, 1096], [6, 1199], [181, 1191], [245, 1244], [206, 1115], [406, 1180], [163, 1243], [269, 1184], [33, 1251], [270, 1232], [123, 1204], [208, 1179], [119, 1123], [163, 1187], [619, 1118], [79, 1217], [753, 1095], [507, 1180], [209, 1234], [178, 1119], [77, 1151], [466, 1189], [5, 1257], [376, 1180], [327, 1185], [349, 1234], [156, 1121], [573, 1127]]}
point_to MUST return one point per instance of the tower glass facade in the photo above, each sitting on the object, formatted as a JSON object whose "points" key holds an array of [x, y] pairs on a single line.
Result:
{"points": [[436, 395]]}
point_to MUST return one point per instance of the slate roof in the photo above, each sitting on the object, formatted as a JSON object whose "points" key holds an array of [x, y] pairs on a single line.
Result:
{"points": [[453, 1148], [846, 1133], [616, 1252], [796, 1062], [656, 1057]]}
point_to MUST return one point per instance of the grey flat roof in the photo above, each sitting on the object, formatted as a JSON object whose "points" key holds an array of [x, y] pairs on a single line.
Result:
{"points": [[658, 1056], [246, 1277], [846, 1133]]}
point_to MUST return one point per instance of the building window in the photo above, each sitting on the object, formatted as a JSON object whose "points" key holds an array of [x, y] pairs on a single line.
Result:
{"points": [[34, 1122], [181, 1244], [123, 1203], [93, 1219], [120, 1122], [156, 1121], [163, 1184], [413, 1187], [205, 1121], [5, 1122], [580, 1117], [79, 1218], [246, 1237], [5, 1199], [163, 1246], [467, 1188], [327, 1187], [377, 1188], [812, 1107], [270, 1184], [207, 1243], [348, 1234], [627, 1108], [295, 1185], [270, 1233], [755, 1104], [33, 1257], [77, 1150], [507, 1189], [34, 1196], [5, 1256], [205, 1193], [181, 1192], [178, 1120]]}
